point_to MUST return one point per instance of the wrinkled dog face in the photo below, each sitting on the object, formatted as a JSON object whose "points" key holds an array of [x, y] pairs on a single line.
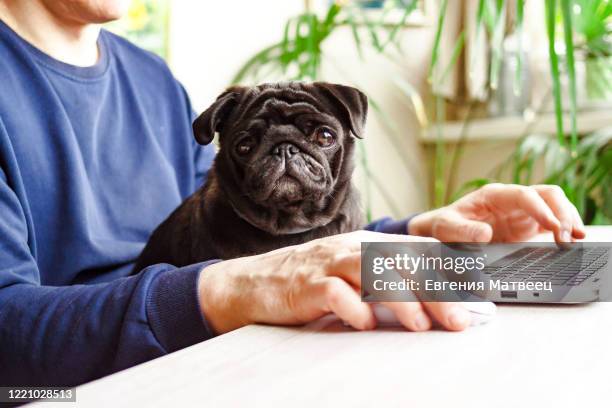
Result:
{"points": [[285, 150]]}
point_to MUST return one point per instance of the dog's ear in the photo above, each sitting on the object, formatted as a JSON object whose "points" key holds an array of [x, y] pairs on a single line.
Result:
{"points": [[352, 102], [213, 118]]}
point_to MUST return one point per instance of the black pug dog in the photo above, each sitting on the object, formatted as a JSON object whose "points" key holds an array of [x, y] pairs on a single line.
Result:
{"points": [[282, 175]]}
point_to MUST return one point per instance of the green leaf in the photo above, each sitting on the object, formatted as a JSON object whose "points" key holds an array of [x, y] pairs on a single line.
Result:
{"points": [[497, 42], [371, 27], [356, 37], [439, 155], [414, 96], [551, 11], [479, 18], [477, 43], [330, 19], [456, 53], [520, 8], [313, 46], [436, 48], [395, 29], [457, 153], [568, 35]]}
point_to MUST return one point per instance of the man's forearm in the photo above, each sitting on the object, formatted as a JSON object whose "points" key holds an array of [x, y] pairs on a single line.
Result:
{"points": [[70, 335]]}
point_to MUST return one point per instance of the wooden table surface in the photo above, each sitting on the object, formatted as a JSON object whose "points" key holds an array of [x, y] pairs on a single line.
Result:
{"points": [[528, 356]]}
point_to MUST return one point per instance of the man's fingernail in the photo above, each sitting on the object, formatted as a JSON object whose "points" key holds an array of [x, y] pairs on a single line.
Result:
{"points": [[458, 318], [421, 321], [566, 236]]}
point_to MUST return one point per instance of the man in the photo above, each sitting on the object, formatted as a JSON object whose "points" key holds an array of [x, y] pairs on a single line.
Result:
{"points": [[96, 149]]}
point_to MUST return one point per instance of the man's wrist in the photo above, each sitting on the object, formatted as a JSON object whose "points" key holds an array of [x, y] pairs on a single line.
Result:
{"points": [[172, 306], [219, 305]]}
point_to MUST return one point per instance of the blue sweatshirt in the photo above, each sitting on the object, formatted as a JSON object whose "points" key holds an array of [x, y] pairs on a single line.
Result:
{"points": [[92, 159]]}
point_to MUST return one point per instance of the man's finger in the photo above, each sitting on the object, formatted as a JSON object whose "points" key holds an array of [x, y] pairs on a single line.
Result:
{"points": [[347, 267], [451, 315], [338, 297], [455, 228], [410, 314], [565, 211], [508, 198]]}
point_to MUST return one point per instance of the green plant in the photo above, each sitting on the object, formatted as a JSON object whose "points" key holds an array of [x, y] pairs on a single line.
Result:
{"points": [[590, 166], [593, 24], [579, 165], [298, 55], [584, 175]]}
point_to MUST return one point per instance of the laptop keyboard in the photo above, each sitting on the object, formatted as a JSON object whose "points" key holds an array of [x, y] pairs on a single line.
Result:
{"points": [[560, 267]]}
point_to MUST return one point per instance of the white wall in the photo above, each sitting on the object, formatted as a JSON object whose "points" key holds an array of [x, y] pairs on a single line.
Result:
{"points": [[209, 40]]}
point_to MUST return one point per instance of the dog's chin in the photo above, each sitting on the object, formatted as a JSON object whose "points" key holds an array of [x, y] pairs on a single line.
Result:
{"points": [[289, 207], [287, 194]]}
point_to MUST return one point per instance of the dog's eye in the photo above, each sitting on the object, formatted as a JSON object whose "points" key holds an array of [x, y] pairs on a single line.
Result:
{"points": [[324, 137], [245, 146]]}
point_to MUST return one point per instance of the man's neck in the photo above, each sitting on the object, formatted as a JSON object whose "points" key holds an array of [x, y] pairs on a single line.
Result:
{"points": [[67, 41]]}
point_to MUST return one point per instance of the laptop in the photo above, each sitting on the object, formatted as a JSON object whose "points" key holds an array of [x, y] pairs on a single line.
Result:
{"points": [[577, 274]]}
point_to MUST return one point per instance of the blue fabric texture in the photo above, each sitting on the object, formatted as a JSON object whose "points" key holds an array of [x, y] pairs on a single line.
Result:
{"points": [[390, 226], [92, 159]]}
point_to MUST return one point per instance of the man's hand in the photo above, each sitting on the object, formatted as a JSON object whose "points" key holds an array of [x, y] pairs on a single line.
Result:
{"points": [[298, 284], [503, 213]]}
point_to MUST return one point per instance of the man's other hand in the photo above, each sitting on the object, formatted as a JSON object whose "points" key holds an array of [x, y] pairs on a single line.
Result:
{"points": [[503, 213]]}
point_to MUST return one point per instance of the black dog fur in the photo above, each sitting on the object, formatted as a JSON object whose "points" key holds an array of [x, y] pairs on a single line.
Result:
{"points": [[282, 175]]}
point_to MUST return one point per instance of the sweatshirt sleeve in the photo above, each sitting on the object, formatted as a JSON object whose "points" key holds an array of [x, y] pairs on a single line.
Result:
{"points": [[67, 335], [390, 226]]}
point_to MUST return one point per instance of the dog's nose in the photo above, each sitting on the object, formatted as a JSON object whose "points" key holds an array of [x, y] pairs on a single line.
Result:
{"points": [[285, 149]]}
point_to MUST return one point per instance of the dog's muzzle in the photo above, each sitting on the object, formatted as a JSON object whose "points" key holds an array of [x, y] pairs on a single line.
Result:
{"points": [[299, 164], [288, 174], [285, 150]]}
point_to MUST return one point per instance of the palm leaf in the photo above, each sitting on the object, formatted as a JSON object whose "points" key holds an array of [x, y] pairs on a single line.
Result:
{"points": [[455, 56], [551, 11], [571, 69], [497, 42], [520, 8], [395, 28], [436, 48], [479, 30]]}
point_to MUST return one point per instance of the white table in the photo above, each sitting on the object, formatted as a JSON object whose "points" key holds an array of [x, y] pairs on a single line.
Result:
{"points": [[528, 356]]}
